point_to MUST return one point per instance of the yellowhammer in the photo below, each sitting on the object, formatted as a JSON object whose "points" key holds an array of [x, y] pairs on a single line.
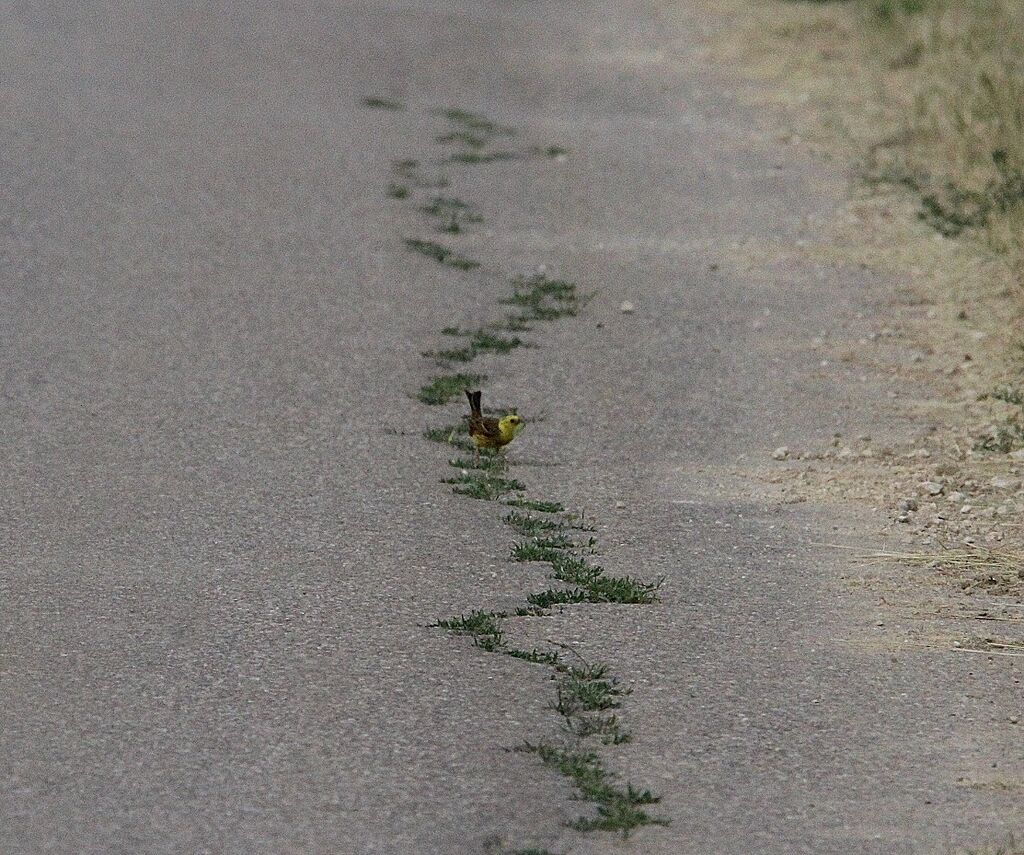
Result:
{"points": [[487, 431]]}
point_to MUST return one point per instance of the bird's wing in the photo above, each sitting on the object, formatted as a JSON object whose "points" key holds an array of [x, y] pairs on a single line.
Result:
{"points": [[487, 427]]}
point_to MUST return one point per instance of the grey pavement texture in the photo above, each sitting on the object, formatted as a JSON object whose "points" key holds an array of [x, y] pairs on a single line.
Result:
{"points": [[222, 535]]}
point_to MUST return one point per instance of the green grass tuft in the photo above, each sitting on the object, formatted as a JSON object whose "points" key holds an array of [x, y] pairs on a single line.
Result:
{"points": [[476, 122], [514, 323], [544, 299], [484, 485], [533, 551], [474, 157], [409, 170], [588, 689], [618, 809], [575, 570], [481, 341], [552, 597], [484, 627], [531, 526], [452, 354], [378, 103], [539, 657], [534, 505], [466, 138], [551, 548], [601, 589], [442, 389], [454, 435], [398, 191], [453, 213], [550, 151], [441, 254]]}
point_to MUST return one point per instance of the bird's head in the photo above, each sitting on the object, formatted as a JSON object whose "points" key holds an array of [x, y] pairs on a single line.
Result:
{"points": [[511, 425]]}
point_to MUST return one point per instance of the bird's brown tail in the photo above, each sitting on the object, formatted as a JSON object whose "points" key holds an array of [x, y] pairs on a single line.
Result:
{"points": [[474, 402]]}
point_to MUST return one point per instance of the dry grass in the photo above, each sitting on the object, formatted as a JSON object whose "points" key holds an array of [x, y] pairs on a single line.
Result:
{"points": [[961, 145], [967, 558], [997, 571], [927, 94]]}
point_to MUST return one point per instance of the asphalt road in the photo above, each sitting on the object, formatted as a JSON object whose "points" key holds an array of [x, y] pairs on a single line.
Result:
{"points": [[223, 536]]}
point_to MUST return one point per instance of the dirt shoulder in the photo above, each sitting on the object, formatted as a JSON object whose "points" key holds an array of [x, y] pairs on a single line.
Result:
{"points": [[950, 344]]}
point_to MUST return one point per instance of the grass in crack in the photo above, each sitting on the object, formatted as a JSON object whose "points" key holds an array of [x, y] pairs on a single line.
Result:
{"points": [[474, 157], [484, 627], [443, 388], [550, 151], [476, 122], [486, 462], [539, 657], [466, 138], [551, 597], [618, 809], [588, 689], [538, 506], [481, 341], [551, 548], [409, 170], [378, 103], [531, 611], [607, 728], [483, 485], [514, 323], [487, 342], [534, 551], [451, 354], [575, 570], [584, 696], [531, 526], [601, 589], [454, 435], [544, 299], [453, 213], [579, 522], [441, 254]]}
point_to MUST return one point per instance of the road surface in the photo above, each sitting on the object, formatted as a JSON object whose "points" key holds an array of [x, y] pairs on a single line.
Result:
{"points": [[224, 537]]}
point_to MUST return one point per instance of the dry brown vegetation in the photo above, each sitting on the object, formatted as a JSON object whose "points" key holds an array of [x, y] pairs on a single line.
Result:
{"points": [[923, 100], [961, 143]]}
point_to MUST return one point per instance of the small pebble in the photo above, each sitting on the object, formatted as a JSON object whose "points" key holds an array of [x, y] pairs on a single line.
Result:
{"points": [[627, 308], [781, 453]]}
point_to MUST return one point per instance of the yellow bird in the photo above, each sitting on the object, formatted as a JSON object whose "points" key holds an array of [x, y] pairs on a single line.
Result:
{"points": [[487, 431]]}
